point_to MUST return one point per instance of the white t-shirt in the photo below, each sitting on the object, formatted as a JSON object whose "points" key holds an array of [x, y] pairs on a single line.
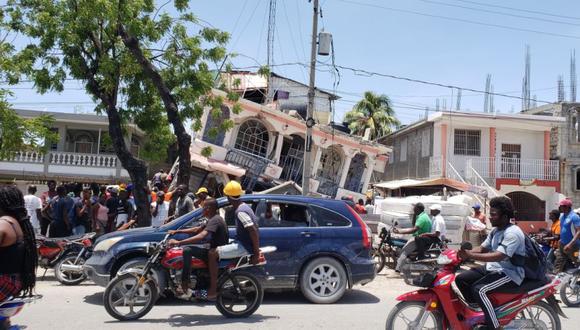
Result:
{"points": [[33, 203], [439, 226], [162, 213]]}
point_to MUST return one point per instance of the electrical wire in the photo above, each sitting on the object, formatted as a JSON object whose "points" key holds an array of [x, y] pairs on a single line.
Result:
{"points": [[519, 9], [406, 11], [292, 39], [500, 13]]}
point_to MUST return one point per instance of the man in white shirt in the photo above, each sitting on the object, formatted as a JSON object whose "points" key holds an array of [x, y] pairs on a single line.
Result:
{"points": [[438, 228], [159, 210], [33, 207]]}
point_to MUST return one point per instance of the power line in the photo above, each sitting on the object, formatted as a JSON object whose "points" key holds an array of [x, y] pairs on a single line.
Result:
{"points": [[519, 9], [406, 11], [500, 13]]}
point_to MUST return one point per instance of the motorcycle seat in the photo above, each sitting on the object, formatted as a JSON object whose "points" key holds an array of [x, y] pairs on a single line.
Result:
{"points": [[526, 286]]}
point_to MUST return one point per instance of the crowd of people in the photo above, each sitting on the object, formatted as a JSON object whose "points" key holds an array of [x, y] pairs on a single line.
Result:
{"points": [[74, 209]]}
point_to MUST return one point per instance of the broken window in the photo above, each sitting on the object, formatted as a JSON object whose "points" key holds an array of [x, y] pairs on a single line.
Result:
{"points": [[212, 132], [330, 164], [253, 137]]}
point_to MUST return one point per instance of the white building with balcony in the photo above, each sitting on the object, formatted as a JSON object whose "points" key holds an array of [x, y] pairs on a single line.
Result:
{"points": [[497, 153], [83, 152], [266, 147]]}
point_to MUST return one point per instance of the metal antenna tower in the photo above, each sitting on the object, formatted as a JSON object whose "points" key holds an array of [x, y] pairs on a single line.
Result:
{"points": [[437, 105], [526, 82], [561, 93], [573, 76], [486, 95], [458, 106], [491, 104], [270, 45]]}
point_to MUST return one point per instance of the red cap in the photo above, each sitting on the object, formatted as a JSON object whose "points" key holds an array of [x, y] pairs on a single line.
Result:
{"points": [[566, 202]]}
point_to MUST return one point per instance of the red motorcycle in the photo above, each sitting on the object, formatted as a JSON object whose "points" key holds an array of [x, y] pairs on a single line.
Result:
{"points": [[441, 306], [133, 292], [66, 255]]}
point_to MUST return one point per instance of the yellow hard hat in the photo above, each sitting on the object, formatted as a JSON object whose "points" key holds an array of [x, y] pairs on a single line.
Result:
{"points": [[201, 190], [233, 189]]}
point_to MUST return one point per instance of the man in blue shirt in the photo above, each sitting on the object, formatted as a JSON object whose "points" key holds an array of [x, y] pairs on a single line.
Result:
{"points": [[569, 235], [503, 243]]}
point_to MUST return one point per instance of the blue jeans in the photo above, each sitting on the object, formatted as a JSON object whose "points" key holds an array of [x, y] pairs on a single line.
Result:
{"points": [[79, 230]]}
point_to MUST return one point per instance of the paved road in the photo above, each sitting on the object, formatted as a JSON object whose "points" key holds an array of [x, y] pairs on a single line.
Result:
{"points": [[81, 307]]}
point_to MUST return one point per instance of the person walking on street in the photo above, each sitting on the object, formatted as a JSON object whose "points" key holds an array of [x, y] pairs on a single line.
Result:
{"points": [[62, 206], [569, 235], [184, 203], [360, 207], [46, 197], [82, 213], [159, 210], [33, 207], [17, 248]]}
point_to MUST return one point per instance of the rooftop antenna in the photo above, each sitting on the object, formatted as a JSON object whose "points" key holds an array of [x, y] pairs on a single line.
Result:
{"points": [[491, 105], [270, 43], [437, 105], [561, 93], [486, 95], [458, 106], [526, 82], [573, 76]]}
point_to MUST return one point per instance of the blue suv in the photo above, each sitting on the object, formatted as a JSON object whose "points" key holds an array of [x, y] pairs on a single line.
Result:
{"points": [[323, 246]]}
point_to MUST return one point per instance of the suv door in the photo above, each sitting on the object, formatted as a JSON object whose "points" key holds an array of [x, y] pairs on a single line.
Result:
{"points": [[289, 227]]}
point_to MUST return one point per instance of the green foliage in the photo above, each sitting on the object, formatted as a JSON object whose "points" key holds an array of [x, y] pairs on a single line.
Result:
{"points": [[264, 71], [374, 112], [206, 151], [20, 134], [82, 40]]}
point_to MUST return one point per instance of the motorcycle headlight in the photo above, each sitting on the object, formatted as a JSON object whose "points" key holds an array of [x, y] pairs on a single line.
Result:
{"points": [[105, 245]]}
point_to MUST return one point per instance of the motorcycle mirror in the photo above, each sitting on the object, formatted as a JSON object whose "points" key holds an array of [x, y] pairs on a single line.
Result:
{"points": [[466, 246]]}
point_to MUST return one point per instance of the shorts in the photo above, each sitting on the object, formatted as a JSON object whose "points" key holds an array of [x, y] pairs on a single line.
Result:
{"points": [[232, 251]]}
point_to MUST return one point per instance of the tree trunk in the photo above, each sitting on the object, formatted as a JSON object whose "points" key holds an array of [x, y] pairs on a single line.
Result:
{"points": [[183, 138], [135, 167]]}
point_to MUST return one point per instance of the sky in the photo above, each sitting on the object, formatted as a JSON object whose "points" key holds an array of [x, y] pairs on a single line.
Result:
{"points": [[449, 42]]}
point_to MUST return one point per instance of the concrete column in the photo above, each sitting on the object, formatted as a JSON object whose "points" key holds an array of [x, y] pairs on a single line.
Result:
{"points": [[345, 169], [444, 149], [368, 174], [279, 144], [61, 145], [316, 163]]}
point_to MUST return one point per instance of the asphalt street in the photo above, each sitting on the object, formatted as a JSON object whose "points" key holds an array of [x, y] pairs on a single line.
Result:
{"points": [[364, 307]]}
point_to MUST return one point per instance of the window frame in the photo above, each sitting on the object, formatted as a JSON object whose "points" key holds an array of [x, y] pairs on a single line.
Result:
{"points": [[466, 134], [253, 143], [316, 207], [404, 149]]}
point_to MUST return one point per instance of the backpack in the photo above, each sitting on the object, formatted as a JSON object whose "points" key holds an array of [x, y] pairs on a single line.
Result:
{"points": [[534, 262]]}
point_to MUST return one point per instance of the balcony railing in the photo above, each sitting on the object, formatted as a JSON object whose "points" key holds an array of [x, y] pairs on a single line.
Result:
{"points": [[514, 168], [254, 165]]}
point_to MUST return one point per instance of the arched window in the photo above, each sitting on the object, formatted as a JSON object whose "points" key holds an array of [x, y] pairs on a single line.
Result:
{"points": [[330, 164], [253, 137], [355, 173], [214, 123]]}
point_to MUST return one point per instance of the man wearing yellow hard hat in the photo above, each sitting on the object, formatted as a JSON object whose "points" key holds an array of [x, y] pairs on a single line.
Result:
{"points": [[247, 234], [201, 195]]}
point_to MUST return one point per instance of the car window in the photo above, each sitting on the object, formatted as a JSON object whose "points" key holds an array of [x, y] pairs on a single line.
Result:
{"points": [[327, 218], [278, 214]]}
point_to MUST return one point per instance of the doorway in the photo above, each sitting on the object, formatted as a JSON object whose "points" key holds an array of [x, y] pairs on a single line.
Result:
{"points": [[511, 155]]}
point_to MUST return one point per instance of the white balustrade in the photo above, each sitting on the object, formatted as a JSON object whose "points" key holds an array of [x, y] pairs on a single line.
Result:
{"points": [[25, 157], [84, 160], [514, 168]]}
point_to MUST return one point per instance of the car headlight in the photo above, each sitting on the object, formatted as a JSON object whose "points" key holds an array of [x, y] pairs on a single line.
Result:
{"points": [[105, 245]]}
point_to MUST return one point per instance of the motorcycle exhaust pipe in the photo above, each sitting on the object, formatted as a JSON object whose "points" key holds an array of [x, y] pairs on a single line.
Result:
{"points": [[72, 268]]}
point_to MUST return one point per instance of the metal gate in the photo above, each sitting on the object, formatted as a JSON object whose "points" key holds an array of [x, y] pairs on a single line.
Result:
{"points": [[527, 206], [292, 160], [254, 165]]}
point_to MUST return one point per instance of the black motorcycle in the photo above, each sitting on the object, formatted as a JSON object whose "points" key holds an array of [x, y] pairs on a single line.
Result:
{"points": [[388, 250]]}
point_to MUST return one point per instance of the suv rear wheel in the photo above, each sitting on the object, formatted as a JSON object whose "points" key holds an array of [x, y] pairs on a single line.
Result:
{"points": [[323, 281]]}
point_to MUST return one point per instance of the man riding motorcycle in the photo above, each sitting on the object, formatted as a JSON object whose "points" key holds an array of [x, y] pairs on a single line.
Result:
{"points": [[421, 225], [504, 242], [214, 232]]}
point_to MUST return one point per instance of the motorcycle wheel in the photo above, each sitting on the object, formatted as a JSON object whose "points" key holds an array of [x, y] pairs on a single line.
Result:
{"points": [[409, 313], [379, 259], [391, 257], [68, 277], [570, 293], [535, 312], [239, 304], [119, 303]]}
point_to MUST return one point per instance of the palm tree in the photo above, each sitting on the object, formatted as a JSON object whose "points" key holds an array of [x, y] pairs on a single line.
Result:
{"points": [[374, 112]]}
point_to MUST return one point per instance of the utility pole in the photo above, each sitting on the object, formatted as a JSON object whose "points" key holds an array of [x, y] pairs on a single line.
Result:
{"points": [[307, 167]]}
